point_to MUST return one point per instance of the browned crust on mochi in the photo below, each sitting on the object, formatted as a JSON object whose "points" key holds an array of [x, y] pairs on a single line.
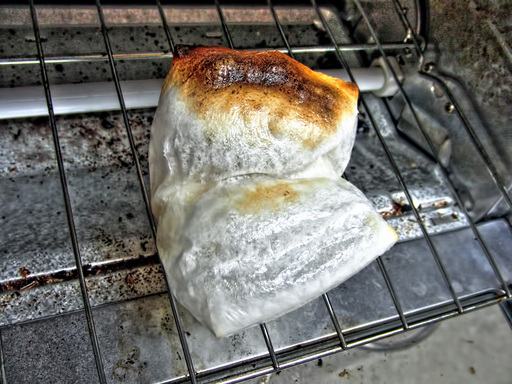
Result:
{"points": [[216, 80], [267, 197]]}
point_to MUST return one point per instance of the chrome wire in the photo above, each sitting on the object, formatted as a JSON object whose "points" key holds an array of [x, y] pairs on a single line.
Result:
{"points": [[399, 177], [335, 321], [392, 292], [443, 170], [165, 25], [179, 327], [268, 342], [67, 202], [169, 55], [397, 173], [348, 339]]}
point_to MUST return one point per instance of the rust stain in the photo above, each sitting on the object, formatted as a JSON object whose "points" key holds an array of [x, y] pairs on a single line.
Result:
{"points": [[24, 272], [29, 286], [344, 373], [267, 198], [30, 281], [397, 210]]}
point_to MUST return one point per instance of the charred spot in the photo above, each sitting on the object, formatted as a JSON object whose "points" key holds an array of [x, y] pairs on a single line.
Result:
{"points": [[208, 71], [181, 50]]}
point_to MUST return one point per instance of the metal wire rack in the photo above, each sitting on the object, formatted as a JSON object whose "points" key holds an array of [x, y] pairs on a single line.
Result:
{"points": [[324, 327]]}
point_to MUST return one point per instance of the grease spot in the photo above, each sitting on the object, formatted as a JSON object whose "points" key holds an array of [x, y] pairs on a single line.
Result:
{"points": [[128, 364]]}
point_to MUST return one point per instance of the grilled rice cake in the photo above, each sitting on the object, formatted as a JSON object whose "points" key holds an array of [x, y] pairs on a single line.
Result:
{"points": [[246, 155], [236, 113]]}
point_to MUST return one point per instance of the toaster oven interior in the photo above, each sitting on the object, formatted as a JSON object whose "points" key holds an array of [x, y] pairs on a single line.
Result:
{"points": [[83, 295]]}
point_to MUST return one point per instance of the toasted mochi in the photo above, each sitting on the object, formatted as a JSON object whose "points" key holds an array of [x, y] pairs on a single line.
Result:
{"points": [[245, 160], [254, 248], [225, 113]]}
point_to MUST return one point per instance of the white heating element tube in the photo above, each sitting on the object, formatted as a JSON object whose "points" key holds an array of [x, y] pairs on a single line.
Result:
{"points": [[94, 97]]}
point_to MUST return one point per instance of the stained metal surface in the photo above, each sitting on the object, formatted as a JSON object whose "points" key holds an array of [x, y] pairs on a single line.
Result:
{"points": [[436, 271]]}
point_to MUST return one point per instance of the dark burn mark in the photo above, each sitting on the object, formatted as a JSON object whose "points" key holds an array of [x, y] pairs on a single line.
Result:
{"points": [[218, 68], [16, 135], [221, 70], [123, 162], [107, 124], [261, 44]]}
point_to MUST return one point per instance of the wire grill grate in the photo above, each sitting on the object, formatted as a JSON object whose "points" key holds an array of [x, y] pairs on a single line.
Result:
{"points": [[272, 358]]}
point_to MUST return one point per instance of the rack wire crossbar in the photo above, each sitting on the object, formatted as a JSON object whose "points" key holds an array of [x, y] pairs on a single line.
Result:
{"points": [[342, 339]]}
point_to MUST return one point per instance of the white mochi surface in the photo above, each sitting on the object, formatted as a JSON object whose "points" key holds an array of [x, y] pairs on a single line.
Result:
{"points": [[249, 230]]}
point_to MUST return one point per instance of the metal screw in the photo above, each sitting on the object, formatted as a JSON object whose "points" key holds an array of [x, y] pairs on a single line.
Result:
{"points": [[408, 36], [437, 90], [429, 67], [449, 108]]}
